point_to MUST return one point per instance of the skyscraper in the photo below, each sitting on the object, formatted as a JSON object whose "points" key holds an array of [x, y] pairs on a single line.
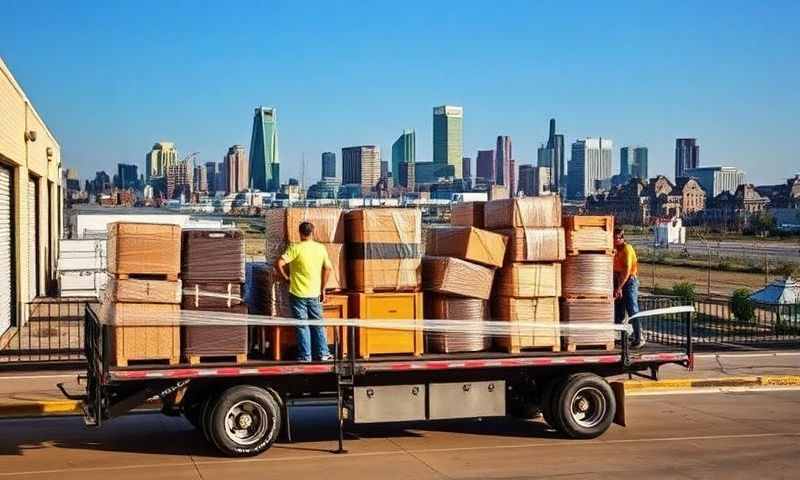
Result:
{"points": [[264, 165], [237, 170], [534, 180], [200, 178], [162, 155], [178, 180], [716, 180], [448, 146], [404, 150], [590, 164], [484, 168], [555, 142], [328, 165], [222, 178], [211, 174], [127, 176], [512, 178], [687, 155], [466, 167], [361, 165], [384, 169], [633, 161], [502, 161]]}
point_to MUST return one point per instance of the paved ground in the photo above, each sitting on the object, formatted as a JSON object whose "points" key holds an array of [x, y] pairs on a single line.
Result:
{"points": [[721, 435]]}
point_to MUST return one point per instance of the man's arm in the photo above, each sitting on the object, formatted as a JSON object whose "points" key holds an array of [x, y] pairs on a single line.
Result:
{"points": [[326, 273], [280, 266], [284, 260]]}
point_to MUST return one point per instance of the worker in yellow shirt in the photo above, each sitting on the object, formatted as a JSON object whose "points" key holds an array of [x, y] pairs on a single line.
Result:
{"points": [[309, 269], [626, 285]]}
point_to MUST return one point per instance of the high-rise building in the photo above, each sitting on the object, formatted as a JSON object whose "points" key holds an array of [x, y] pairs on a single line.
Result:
{"points": [[633, 162], [534, 180], [179, 180], [407, 175], [590, 165], [512, 178], [221, 178], [448, 142], [502, 161], [384, 170], [162, 155], [102, 182], [237, 170], [716, 180], [264, 164], [361, 165], [404, 150], [127, 176], [484, 168], [200, 179], [466, 167], [211, 176], [555, 143], [328, 165], [73, 182], [687, 155]]}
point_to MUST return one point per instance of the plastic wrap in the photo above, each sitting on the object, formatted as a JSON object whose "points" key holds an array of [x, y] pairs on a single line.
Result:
{"points": [[338, 277], [213, 296], [384, 251], [468, 214], [589, 233], [521, 313], [589, 311], [534, 244], [468, 243], [212, 255], [588, 275], [282, 227], [529, 280], [469, 309], [542, 211], [144, 248], [134, 290], [454, 276], [215, 340]]}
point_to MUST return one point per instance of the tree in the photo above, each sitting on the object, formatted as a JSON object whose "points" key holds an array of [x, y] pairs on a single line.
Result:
{"points": [[741, 305], [685, 291]]}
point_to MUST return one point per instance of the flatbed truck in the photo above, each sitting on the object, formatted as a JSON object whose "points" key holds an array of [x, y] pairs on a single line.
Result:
{"points": [[242, 408]]}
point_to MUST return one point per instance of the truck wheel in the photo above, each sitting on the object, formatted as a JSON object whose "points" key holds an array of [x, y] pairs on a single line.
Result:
{"points": [[547, 400], [584, 406], [193, 413], [206, 409], [244, 421]]}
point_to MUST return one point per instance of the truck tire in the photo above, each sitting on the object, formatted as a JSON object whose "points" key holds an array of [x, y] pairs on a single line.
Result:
{"points": [[206, 409], [547, 400], [244, 421], [583, 406]]}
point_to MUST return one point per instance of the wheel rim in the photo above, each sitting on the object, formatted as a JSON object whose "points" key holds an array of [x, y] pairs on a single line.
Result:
{"points": [[588, 407], [246, 422]]}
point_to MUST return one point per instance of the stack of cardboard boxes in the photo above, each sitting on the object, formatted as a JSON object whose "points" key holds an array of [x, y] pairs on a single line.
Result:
{"points": [[457, 276], [384, 258], [142, 300], [212, 270], [529, 284], [588, 280]]}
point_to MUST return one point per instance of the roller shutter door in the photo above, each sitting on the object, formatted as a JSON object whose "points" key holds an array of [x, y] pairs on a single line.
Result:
{"points": [[33, 224], [6, 253]]}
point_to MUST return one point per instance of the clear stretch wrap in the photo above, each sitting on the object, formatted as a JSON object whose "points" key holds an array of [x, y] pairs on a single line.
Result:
{"points": [[282, 227], [467, 214], [212, 255], [588, 311], [144, 248], [454, 276], [135, 290], [534, 244], [212, 296], [586, 233], [588, 275], [467, 243], [533, 322], [444, 307], [529, 212], [529, 280]]}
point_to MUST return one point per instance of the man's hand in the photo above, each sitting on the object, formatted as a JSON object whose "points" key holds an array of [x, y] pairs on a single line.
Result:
{"points": [[617, 293], [280, 267], [322, 296]]}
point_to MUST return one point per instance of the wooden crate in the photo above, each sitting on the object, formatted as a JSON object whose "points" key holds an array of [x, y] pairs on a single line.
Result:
{"points": [[589, 233], [405, 306], [543, 311], [132, 290], [143, 332], [468, 214], [144, 249], [592, 311], [285, 338], [588, 275]]}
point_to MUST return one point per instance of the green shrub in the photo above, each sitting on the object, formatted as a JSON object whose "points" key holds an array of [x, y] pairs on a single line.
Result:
{"points": [[741, 306], [685, 291], [787, 269]]}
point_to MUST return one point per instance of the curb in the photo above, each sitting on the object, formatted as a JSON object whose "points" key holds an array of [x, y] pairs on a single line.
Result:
{"points": [[40, 408], [688, 383]]}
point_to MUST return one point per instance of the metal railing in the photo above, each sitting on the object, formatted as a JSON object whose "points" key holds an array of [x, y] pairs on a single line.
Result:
{"points": [[52, 334], [717, 323]]}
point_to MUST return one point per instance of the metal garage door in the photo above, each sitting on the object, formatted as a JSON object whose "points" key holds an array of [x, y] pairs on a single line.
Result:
{"points": [[6, 254], [33, 243]]}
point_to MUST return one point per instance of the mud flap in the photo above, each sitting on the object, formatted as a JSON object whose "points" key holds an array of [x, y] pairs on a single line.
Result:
{"points": [[619, 395]]}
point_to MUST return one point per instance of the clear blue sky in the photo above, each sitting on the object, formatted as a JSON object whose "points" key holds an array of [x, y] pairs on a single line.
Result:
{"points": [[111, 80]]}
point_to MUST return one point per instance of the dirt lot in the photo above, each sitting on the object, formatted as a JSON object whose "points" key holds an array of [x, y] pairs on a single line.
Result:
{"points": [[722, 283]]}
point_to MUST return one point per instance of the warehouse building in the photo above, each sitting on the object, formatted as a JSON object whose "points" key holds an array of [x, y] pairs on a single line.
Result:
{"points": [[30, 204]]}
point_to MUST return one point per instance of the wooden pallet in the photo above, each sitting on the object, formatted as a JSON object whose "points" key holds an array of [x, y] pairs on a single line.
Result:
{"points": [[573, 347], [388, 290], [599, 298], [230, 358], [169, 277], [579, 251], [125, 362], [512, 347]]}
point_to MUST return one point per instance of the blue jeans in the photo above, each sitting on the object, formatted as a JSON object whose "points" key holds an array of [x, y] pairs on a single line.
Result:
{"points": [[629, 304], [311, 340]]}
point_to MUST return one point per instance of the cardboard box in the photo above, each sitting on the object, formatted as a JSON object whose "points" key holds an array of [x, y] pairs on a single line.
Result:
{"points": [[468, 214], [384, 226], [212, 296], [282, 226], [543, 211], [588, 311], [456, 277], [215, 341], [445, 307], [534, 244], [468, 243], [338, 278], [588, 275], [541, 311], [529, 280], [385, 275], [212, 255], [133, 290], [589, 233], [144, 248], [387, 306]]}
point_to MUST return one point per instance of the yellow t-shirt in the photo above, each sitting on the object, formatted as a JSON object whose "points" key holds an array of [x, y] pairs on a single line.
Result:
{"points": [[625, 261], [305, 260]]}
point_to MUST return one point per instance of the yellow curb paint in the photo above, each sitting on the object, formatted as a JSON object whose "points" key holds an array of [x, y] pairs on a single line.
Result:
{"points": [[780, 380], [54, 407]]}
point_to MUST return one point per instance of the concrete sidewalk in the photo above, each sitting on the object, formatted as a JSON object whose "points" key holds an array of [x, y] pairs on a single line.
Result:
{"points": [[36, 394]]}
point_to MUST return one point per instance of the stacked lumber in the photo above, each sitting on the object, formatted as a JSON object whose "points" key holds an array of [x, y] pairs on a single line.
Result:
{"points": [[528, 285], [212, 267], [467, 214], [141, 302], [588, 280]]}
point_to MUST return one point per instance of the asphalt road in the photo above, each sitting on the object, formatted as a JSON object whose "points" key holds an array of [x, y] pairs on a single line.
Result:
{"points": [[719, 435], [777, 251]]}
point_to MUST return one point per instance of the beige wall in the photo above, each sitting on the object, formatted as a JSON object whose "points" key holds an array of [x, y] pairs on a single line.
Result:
{"points": [[29, 158]]}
